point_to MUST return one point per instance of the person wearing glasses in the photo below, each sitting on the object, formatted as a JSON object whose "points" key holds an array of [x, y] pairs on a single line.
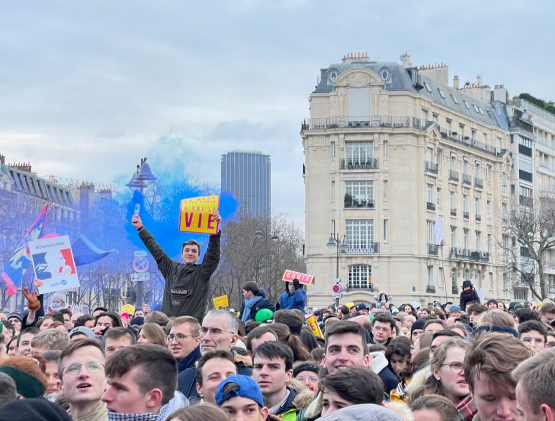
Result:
{"points": [[81, 372], [184, 341], [383, 329], [219, 331], [307, 373], [447, 379]]}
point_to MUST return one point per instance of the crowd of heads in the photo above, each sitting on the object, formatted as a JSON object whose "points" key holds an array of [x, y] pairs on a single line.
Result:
{"points": [[413, 362]]}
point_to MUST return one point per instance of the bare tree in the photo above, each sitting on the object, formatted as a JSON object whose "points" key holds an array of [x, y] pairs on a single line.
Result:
{"points": [[528, 236]]}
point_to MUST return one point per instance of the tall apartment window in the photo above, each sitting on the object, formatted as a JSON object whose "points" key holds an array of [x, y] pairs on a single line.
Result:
{"points": [[505, 285], [465, 203], [439, 275], [461, 131], [504, 211], [473, 137], [385, 189], [434, 116], [359, 276], [453, 163], [478, 212], [430, 228], [332, 148], [385, 146], [359, 152], [333, 190], [488, 208], [452, 200], [429, 152], [430, 276], [360, 234], [485, 139], [438, 159], [360, 190], [477, 172], [525, 142], [465, 239], [430, 193], [490, 280], [524, 165], [488, 173], [489, 243], [448, 127], [478, 241], [454, 237], [333, 226], [385, 230], [465, 167], [438, 197]]}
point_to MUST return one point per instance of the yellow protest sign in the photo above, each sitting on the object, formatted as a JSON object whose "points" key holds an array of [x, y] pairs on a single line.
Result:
{"points": [[313, 324], [197, 214], [221, 302], [350, 304], [129, 309]]}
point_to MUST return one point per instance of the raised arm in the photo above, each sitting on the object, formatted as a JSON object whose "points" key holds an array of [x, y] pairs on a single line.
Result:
{"points": [[165, 263], [211, 258]]}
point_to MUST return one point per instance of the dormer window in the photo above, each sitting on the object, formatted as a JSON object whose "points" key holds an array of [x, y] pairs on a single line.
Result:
{"points": [[466, 103], [455, 99], [441, 93], [428, 87]]}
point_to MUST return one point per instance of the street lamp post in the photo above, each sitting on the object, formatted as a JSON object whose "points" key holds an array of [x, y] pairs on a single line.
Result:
{"points": [[259, 234], [140, 180], [338, 243]]}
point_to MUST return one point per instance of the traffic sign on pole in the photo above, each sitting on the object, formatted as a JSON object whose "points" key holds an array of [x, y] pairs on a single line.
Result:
{"points": [[336, 289]]}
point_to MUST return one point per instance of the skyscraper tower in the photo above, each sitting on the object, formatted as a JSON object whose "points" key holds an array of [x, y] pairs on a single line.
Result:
{"points": [[247, 174]]}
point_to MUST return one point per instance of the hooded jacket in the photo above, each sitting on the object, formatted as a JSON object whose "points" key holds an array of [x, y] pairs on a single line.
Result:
{"points": [[262, 303], [467, 297], [299, 398], [294, 301], [186, 286]]}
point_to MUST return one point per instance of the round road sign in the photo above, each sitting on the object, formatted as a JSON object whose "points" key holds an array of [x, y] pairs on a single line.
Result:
{"points": [[140, 264], [336, 289]]}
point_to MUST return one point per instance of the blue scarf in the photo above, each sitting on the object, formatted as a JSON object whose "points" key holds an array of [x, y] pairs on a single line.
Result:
{"points": [[249, 304]]}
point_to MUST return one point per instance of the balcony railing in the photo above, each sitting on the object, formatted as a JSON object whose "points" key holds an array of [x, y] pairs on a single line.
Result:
{"points": [[431, 167], [476, 256], [526, 201], [430, 206], [357, 122], [454, 253], [368, 287], [355, 164], [467, 179], [356, 203], [478, 183], [546, 142], [466, 254], [481, 146], [453, 175], [430, 289], [546, 164], [484, 256], [466, 215], [432, 249], [478, 218], [373, 249], [515, 122], [453, 212]]}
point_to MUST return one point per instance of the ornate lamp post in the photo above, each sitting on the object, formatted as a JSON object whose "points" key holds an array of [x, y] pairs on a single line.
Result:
{"points": [[338, 243]]}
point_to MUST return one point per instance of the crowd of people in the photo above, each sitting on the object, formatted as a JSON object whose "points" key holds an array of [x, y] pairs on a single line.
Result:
{"points": [[367, 361]]}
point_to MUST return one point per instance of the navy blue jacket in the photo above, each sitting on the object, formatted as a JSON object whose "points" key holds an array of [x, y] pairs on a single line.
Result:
{"points": [[263, 303], [389, 380]]}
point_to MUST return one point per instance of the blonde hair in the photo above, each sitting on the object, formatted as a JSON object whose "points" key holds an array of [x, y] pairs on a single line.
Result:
{"points": [[496, 317]]}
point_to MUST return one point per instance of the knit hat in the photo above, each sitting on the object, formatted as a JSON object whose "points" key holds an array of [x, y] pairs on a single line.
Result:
{"points": [[362, 306], [84, 330], [59, 296], [492, 300], [305, 367], [419, 324], [454, 308], [27, 385], [16, 315], [518, 305], [33, 409]]}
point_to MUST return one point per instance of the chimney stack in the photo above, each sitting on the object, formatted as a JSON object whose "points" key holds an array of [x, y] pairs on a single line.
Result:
{"points": [[406, 60], [479, 80], [2, 160], [456, 82], [500, 94]]}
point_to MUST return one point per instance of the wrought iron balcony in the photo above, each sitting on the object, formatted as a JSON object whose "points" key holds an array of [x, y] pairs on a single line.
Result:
{"points": [[432, 249], [481, 146], [453, 175], [431, 167], [467, 179], [478, 218], [373, 249], [466, 215], [515, 122], [475, 255], [455, 253], [484, 256], [430, 289], [362, 122], [478, 183], [368, 287], [430, 206], [355, 164], [356, 203], [466, 254], [453, 212]]}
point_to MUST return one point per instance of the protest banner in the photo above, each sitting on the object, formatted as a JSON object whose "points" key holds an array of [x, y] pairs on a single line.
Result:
{"points": [[313, 324], [54, 264], [303, 278], [129, 309], [221, 302], [197, 215]]}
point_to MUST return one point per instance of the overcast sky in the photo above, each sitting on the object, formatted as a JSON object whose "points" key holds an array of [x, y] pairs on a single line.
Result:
{"points": [[87, 88]]}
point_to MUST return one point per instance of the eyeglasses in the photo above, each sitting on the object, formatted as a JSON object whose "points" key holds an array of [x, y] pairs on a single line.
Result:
{"points": [[456, 368], [313, 379], [214, 331], [74, 368], [179, 337], [382, 329]]}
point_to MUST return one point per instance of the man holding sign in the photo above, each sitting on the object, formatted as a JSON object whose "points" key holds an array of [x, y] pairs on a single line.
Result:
{"points": [[186, 287]]}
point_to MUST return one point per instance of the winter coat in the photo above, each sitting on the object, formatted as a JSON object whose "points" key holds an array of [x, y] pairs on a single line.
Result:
{"points": [[263, 303], [365, 412], [295, 301], [467, 297], [186, 286], [299, 398]]}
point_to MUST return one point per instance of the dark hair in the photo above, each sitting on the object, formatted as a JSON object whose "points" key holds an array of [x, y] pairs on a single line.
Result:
{"points": [[291, 318], [533, 325], [447, 409], [257, 334], [33, 330], [345, 326], [399, 346], [355, 384], [376, 348], [118, 332], [274, 350], [116, 322], [252, 287], [318, 354], [249, 327], [210, 355], [547, 308], [52, 356], [190, 243], [525, 314], [13, 338], [75, 345], [159, 375], [345, 310], [292, 341], [203, 411], [104, 309], [446, 332], [384, 318], [380, 296], [66, 311], [477, 308], [435, 321], [308, 339], [81, 320]]}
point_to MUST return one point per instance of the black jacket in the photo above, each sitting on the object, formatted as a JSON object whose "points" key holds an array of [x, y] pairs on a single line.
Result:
{"points": [[263, 303], [468, 297], [186, 286]]}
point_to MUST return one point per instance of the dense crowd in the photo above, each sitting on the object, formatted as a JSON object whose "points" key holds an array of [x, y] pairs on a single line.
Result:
{"points": [[270, 361]]}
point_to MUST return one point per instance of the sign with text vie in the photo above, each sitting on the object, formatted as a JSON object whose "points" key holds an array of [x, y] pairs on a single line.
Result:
{"points": [[221, 302], [303, 278], [313, 324], [54, 264], [197, 215]]}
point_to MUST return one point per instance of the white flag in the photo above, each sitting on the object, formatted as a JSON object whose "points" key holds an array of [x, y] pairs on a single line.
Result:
{"points": [[438, 231]]}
